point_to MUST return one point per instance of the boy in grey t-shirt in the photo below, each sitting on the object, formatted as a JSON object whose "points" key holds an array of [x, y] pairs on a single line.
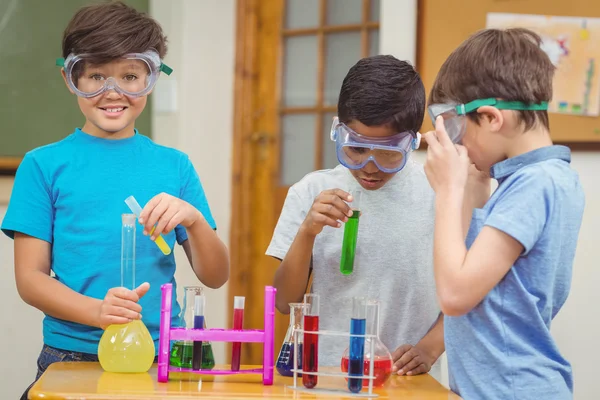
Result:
{"points": [[380, 110]]}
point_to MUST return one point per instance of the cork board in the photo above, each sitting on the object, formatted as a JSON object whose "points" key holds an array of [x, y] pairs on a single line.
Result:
{"points": [[444, 24]]}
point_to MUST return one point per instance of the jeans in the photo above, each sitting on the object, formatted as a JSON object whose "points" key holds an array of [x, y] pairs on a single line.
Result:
{"points": [[50, 355]]}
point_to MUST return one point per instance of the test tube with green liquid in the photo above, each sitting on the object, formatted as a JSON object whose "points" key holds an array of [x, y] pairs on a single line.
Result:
{"points": [[137, 210], [350, 235]]}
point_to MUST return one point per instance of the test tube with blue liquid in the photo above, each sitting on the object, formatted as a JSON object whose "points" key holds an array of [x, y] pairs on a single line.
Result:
{"points": [[135, 208], [199, 303], [350, 235], [358, 325]]}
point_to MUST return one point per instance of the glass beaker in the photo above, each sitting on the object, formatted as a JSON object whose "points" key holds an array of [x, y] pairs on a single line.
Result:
{"points": [[127, 347], [182, 351], [285, 361], [382, 360]]}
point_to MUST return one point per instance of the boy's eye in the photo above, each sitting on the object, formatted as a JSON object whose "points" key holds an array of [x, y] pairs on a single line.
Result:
{"points": [[358, 150], [96, 77], [130, 77]]}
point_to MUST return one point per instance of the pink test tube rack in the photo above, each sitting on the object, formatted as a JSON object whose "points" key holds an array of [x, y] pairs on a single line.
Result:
{"points": [[266, 336]]}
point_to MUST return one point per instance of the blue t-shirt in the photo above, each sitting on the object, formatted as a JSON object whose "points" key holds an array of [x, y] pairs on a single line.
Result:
{"points": [[71, 194], [503, 349]]}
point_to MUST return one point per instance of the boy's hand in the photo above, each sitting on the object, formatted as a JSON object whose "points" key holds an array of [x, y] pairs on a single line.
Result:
{"points": [[329, 208], [447, 164], [411, 360], [166, 212], [120, 305]]}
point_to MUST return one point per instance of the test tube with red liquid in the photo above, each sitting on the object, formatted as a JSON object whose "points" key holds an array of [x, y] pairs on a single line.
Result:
{"points": [[238, 323], [310, 351]]}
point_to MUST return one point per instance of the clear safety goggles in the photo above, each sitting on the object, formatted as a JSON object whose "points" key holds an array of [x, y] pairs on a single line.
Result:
{"points": [[389, 154], [132, 75], [455, 115]]}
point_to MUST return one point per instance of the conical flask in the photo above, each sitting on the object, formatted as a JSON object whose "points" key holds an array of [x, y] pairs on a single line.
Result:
{"points": [[382, 365], [285, 361], [182, 351], [127, 347]]}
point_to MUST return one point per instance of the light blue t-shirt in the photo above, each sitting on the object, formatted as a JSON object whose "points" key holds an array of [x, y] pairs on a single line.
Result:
{"points": [[503, 349], [71, 194]]}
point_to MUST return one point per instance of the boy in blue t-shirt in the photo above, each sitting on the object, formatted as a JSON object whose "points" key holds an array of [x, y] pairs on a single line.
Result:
{"points": [[500, 291], [68, 197]]}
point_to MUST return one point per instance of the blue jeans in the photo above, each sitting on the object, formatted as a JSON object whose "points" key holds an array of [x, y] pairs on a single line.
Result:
{"points": [[50, 355]]}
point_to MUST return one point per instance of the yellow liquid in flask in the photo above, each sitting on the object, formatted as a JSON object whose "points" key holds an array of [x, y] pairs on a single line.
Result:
{"points": [[126, 348]]}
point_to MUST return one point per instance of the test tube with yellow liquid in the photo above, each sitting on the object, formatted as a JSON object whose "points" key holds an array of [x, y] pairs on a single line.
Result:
{"points": [[127, 347], [135, 208]]}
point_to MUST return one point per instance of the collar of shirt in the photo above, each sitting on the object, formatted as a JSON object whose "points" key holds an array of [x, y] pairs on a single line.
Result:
{"points": [[510, 166]]}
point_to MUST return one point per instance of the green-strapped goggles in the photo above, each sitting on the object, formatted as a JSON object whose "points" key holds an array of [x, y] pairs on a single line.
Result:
{"points": [[132, 75], [454, 115]]}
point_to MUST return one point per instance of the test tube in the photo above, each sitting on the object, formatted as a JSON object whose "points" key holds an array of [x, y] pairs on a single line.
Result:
{"points": [[238, 323], [128, 251], [199, 303], [310, 351], [350, 235], [134, 206], [358, 325]]}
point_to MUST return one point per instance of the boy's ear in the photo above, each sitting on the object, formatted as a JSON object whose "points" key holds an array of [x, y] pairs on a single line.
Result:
{"points": [[492, 117], [64, 75]]}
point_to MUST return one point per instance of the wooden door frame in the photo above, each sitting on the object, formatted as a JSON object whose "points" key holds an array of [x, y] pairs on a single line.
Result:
{"points": [[255, 139], [245, 81]]}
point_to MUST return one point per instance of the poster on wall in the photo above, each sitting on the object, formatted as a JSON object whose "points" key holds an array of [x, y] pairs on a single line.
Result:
{"points": [[573, 45]]}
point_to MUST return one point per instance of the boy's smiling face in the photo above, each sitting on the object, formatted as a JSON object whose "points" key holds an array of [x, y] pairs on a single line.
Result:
{"points": [[110, 114], [369, 176]]}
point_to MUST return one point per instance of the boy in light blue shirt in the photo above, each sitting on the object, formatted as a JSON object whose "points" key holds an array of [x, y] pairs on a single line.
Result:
{"points": [[68, 197], [500, 291]]}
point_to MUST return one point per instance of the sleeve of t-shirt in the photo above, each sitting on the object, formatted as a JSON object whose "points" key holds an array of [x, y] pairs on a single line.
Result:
{"points": [[292, 215], [522, 209], [30, 209], [193, 193]]}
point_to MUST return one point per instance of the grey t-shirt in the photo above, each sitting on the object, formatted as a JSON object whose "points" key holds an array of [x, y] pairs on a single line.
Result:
{"points": [[393, 262]]}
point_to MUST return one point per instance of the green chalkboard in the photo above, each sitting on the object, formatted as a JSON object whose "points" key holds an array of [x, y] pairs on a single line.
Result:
{"points": [[36, 108]]}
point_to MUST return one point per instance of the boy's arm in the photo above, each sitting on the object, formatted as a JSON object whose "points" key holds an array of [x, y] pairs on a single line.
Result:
{"points": [[513, 226], [205, 251], [464, 278], [418, 359], [477, 193], [292, 275], [38, 289], [207, 254], [299, 224]]}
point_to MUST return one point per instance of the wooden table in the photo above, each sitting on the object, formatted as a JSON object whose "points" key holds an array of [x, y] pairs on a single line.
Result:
{"points": [[87, 380]]}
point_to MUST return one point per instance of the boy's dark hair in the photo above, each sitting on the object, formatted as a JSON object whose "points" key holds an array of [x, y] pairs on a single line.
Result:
{"points": [[504, 64], [110, 30], [382, 90]]}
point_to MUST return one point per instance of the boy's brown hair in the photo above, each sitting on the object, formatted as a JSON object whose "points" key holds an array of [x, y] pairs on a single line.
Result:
{"points": [[504, 64], [110, 30]]}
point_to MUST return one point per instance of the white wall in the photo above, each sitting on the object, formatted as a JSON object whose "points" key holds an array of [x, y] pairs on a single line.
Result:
{"points": [[201, 38]]}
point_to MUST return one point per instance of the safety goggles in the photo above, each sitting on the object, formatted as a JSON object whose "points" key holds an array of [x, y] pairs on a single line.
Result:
{"points": [[132, 75], [389, 153], [455, 115]]}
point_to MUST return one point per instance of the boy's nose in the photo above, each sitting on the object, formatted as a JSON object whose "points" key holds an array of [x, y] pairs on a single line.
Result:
{"points": [[113, 94], [370, 168]]}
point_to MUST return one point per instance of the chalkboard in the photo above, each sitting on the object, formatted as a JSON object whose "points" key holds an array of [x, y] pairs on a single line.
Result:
{"points": [[36, 108]]}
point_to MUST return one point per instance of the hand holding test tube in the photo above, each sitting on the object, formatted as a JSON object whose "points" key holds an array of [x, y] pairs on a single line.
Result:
{"points": [[135, 208]]}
